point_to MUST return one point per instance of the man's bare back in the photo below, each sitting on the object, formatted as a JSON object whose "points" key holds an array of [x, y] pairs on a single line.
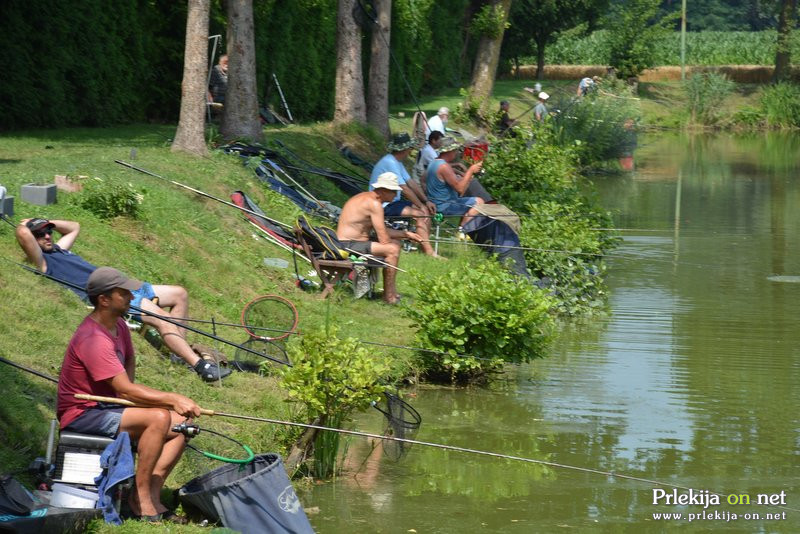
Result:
{"points": [[355, 221]]}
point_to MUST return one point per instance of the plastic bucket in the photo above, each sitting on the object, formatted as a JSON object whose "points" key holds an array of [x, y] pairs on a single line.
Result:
{"points": [[69, 497]]}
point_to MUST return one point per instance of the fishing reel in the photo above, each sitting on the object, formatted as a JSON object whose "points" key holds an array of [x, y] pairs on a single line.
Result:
{"points": [[187, 429]]}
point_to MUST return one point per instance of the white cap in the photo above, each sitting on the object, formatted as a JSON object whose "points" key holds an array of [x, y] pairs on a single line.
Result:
{"points": [[543, 95], [443, 111], [387, 180]]}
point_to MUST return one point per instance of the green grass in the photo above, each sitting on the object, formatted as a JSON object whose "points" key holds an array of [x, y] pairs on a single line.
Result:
{"points": [[183, 239]]}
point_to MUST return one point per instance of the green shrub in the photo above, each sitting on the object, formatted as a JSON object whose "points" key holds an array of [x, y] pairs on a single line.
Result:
{"points": [[519, 171], [565, 246], [781, 103], [706, 93], [748, 117], [108, 199], [489, 22], [478, 310], [331, 378]]}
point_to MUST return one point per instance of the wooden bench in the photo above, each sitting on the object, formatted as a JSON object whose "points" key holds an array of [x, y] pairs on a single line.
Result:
{"points": [[333, 271]]}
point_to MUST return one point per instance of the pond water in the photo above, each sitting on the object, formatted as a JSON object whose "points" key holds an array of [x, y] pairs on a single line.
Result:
{"points": [[689, 381]]}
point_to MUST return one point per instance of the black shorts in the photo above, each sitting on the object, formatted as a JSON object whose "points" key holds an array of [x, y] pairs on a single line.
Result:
{"points": [[100, 420], [359, 247]]}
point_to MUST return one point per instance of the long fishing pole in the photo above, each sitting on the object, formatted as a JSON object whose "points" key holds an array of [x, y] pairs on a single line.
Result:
{"points": [[202, 193], [203, 411], [29, 370]]}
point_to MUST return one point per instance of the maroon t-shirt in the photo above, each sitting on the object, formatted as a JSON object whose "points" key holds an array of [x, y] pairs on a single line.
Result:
{"points": [[93, 356]]}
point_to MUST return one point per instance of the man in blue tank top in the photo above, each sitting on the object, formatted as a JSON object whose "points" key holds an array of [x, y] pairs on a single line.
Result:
{"points": [[55, 259], [445, 187]]}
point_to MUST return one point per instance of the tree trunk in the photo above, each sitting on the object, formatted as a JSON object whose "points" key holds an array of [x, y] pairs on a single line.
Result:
{"points": [[378, 92], [788, 14], [349, 105], [190, 136], [486, 61], [240, 115], [540, 60]]}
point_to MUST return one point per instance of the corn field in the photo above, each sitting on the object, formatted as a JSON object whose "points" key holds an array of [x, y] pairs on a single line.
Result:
{"points": [[702, 48]]}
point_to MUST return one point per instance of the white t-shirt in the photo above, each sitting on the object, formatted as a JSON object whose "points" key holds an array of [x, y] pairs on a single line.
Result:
{"points": [[435, 123]]}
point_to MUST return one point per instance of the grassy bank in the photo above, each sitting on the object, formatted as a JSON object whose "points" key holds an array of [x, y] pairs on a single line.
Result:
{"points": [[180, 238]]}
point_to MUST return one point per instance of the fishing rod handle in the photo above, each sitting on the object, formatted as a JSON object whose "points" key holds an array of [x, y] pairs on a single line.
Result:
{"points": [[125, 402]]}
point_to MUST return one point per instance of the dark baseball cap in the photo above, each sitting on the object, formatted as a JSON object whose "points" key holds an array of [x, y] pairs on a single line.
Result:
{"points": [[104, 279], [39, 225]]}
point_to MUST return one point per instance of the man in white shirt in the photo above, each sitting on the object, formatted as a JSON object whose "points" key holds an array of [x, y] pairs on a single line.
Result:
{"points": [[439, 122]]}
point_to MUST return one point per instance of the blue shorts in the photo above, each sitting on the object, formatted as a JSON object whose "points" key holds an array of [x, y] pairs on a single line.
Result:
{"points": [[459, 206], [100, 420], [395, 209], [144, 292]]}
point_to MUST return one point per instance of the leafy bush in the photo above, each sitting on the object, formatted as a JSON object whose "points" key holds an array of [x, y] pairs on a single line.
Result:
{"points": [[108, 199], [489, 21], [781, 103], [634, 27], [706, 92], [564, 246], [748, 117], [519, 171], [479, 310], [541, 183], [331, 378]]}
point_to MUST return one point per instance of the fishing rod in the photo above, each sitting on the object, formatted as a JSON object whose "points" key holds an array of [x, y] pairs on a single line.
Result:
{"points": [[202, 193], [6, 219], [214, 413], [28, 369], [303, 189]]}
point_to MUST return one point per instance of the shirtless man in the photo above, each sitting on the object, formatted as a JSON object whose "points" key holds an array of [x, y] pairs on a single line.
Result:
{"points": [[363, 214]]}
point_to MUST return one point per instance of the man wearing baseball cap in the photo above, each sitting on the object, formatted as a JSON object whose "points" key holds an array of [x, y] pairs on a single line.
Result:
{"points": [[362, 215], [100, 361], [54, 258]]}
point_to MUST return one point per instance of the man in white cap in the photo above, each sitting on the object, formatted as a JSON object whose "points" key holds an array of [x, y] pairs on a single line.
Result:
{"points": [[100, 361], [540, 111], [438, 122], [361, 216]]}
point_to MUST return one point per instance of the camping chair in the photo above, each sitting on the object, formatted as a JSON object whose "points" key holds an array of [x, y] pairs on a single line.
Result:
{"points": [[333, 271]]}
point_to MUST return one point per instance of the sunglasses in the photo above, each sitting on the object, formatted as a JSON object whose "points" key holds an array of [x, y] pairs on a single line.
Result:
{"points": [[42, 233]]}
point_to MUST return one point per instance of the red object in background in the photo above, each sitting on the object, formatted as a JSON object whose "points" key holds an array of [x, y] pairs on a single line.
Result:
{"points": [[475, 151], [626, 162]]}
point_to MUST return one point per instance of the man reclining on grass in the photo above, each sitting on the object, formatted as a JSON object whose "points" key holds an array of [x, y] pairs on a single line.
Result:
{"points": [[363, 214], [35, 236]]}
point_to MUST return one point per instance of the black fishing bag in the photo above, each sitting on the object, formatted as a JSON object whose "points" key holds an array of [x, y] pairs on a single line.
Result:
{"points": [[252, 498], [322, 240]]}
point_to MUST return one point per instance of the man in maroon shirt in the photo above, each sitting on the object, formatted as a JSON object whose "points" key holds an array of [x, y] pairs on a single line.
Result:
{"points": [[100, 361]]}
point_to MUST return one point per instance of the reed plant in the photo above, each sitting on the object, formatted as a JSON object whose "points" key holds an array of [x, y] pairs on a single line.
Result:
{"points": [[781, 104], [705, 93]]}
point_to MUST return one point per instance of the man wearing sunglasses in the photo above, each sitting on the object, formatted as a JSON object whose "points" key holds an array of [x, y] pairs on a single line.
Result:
{"points": [[54, 258]]}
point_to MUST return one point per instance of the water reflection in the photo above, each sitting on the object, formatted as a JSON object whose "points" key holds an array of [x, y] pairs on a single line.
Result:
{"points": [[690, 380]]}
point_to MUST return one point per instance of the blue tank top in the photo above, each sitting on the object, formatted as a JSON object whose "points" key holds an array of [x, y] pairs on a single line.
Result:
{"points": [[70, 267], [439, 192]]}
